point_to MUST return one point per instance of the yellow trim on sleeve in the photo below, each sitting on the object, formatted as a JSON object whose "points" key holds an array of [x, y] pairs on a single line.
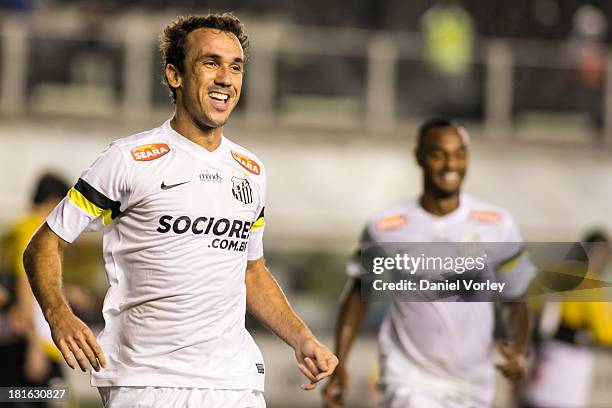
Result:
{"points": [[258, 224], [90, 208], [511, 263]]}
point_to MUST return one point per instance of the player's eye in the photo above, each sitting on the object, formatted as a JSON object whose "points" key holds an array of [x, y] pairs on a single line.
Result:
{"points": [[210, 63], [236, 68], [461, 154], [437, 155]]}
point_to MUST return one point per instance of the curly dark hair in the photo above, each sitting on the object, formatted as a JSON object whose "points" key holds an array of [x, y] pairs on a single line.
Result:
{"points": [[174, 36]]}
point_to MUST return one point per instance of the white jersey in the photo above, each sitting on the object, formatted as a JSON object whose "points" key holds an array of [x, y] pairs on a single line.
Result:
{"points": [[179, 224], [444, 344]]}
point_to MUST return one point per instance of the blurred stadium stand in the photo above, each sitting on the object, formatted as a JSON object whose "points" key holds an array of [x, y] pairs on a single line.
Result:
{"points": [[333, 94]]}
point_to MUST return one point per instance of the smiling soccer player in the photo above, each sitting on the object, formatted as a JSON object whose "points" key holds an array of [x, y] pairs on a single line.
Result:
{"points": [[182, 209], [437, 354]]}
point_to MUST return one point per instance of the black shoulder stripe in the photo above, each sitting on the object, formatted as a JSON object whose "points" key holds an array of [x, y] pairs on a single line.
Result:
{"points": [[261, 214], [97, 198]]}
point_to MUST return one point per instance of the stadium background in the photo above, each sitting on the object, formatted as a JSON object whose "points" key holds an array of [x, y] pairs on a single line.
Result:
{"points": [[333, 94]]}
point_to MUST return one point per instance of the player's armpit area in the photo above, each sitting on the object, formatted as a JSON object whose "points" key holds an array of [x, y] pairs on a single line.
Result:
{"points": [[44, 237]]}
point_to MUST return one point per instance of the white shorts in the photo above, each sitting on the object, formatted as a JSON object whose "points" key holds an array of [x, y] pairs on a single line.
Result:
{"points": [[407, 397], [162, 397], [562, 376]]}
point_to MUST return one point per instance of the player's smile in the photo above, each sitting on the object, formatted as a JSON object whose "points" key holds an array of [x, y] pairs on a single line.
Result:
{"points": [[451, 177], [219, 100]]}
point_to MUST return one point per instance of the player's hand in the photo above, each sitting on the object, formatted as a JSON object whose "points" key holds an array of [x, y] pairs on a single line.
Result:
{"points": [[335, 389], [315, 361], [73, 338], [514, 366]]}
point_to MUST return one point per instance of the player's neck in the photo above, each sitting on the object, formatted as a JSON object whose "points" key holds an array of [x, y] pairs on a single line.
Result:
{"points": [[439, 206], [208, 138]]}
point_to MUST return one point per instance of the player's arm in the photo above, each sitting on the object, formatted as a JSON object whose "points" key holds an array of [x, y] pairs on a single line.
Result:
{"points": [[20, 314], [267, 302], [514, 354], [350, 316], [43, 267]]}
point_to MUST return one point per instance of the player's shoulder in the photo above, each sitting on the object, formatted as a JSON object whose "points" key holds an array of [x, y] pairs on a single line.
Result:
{"points": [[393, 216], [245, 158], [145, 145], [486, 213]]}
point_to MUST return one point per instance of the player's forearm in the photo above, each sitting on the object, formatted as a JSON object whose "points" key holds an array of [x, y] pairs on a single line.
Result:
{"points": [[350, 316], [268, 304], [42, 263], [519, 322]]}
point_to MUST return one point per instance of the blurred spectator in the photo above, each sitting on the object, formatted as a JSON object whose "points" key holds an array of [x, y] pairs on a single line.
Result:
{"points": [[27, 351], [564, 372], [448, 32], [588, 51]]}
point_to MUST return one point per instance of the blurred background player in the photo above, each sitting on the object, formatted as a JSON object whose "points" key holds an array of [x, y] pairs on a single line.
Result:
{"points": [[438, 354], [29, 357], [570, 368], [182, 210]]}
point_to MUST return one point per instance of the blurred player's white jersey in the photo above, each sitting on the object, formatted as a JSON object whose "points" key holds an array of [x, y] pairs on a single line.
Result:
{"points": [[179, 224], [444, 349]]}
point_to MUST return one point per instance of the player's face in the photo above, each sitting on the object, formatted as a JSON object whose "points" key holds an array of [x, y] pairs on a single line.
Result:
{"points": [[444, 158], [211, 83]]}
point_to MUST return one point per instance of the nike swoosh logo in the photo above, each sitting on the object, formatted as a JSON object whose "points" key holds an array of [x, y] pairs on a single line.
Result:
{"points": [[165, 186]]}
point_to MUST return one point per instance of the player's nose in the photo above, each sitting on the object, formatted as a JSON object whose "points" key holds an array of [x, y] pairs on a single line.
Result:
{"points": [[223, 77], [452, 163]]}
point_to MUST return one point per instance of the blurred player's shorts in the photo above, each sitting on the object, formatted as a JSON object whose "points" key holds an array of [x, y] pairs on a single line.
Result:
{"points": [[562, 376], [163, 397], [415, 398]]}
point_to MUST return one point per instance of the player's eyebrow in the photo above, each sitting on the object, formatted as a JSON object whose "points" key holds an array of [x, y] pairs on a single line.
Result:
{"points": [[218, 57]]}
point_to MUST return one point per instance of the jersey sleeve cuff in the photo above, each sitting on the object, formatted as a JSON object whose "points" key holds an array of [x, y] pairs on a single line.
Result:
{"points": [[67, 221], [254, 255]]}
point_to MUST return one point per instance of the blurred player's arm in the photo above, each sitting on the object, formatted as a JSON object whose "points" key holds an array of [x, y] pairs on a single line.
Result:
{"points": [[20, 314], [267, 303], [515, 354], [43, 267], [350, 316], [4, 296]]}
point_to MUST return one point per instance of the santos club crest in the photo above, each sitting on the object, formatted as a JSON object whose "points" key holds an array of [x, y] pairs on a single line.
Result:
{"points": [[241, 189]]}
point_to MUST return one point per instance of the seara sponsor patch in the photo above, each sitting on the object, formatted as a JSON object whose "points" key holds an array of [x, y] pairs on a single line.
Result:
{"points": [[245, 162], [150, 151], [487, 217], [391, 222]]}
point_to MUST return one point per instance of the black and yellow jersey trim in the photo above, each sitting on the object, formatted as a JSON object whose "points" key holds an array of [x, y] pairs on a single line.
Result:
{"points": [[93, 202], [260, 221], [510, 263]]}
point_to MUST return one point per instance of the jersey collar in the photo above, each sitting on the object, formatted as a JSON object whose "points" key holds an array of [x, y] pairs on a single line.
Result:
{"points": [[191, 146], [459, 214]]}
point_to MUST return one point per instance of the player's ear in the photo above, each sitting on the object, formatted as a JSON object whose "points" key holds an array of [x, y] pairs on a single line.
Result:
{"points": [[173, 76]]}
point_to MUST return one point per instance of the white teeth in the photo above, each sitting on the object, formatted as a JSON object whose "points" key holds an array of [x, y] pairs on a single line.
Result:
{"points": [[218, 96], [451, 176]]}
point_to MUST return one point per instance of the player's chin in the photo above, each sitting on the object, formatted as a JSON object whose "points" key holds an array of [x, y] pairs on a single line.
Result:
{"points": [[217, 120], [449, 189]]}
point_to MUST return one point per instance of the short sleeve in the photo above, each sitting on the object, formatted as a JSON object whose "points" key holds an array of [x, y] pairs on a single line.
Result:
{"points": [[255, 245], [354, 265], [97, 198], [512, 264]]}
